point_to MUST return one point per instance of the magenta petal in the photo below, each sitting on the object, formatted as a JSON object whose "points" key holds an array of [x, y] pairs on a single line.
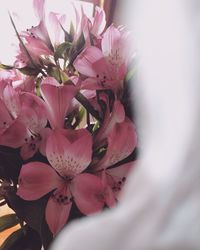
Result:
{"points": [[37, 179], [57, 215], [88, 192]]}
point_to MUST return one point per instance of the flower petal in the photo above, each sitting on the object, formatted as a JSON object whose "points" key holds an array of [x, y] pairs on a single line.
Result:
{"points": [[121, 142], [56, 215], [37, 179], [6, 119], [84, 63], [58, 100], [68, 158], [116, 177], [110, 120], [110, 40], [56, 146], [88, 193], [38, 6], [14, 136], [12, 101], [99, 21]]}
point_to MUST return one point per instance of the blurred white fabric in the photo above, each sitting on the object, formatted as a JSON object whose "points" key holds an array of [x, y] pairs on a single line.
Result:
{"points": [[160, 208]]}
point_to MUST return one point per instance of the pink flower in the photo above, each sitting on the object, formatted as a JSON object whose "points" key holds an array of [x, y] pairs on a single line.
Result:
{"points": [[58, 98], [117, 115], [12, 130], [69, 157], [122, 141], [105, 68], [23, 119], [85, 25]]}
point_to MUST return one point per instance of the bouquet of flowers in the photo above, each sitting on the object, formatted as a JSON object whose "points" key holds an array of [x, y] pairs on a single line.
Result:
{"points": [[67, 133]]}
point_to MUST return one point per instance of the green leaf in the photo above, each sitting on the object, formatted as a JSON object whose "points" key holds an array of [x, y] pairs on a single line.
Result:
{"points": [[9, 242], [68, 36], [8, 221], [54, 72], [29, 71], [62, 50], [72, 30], [3, 66], [80, 43]]}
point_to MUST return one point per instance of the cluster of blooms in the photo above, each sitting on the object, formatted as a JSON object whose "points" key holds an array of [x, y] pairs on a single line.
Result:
{"points": [[62, 100]]}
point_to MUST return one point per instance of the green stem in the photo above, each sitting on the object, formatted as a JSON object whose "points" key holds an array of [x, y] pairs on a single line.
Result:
{"points": [[86, 104]]}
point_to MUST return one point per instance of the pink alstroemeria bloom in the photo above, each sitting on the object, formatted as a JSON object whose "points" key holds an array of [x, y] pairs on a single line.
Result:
{"points": [[23, 120], [86, 25], [108, 67], [110, 120], [69, 158], [33, 115], [122, 141], [36, 48], [58, 98], [12, 131], [40, 31]]}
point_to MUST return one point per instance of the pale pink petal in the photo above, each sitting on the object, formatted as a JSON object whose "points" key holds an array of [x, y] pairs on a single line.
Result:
{"points": [[38, 33], [35, 103], [56, 146], [110, 41], [38, 6], [57, 214], [110, 120], [84, 63], [116, 177], [37, 179], [12, 100], [79, 154], [88, 193], [99, 21], [51, 81], [56, 33], [58, 100], [36, 48], [68, 158], [121, 142], [6, 119], [27, 85]]}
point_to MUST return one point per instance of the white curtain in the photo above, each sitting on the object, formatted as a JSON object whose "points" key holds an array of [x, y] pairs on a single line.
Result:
{"points": [[160, 206]]}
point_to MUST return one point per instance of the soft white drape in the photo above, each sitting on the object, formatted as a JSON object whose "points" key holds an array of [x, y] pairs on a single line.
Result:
{"points": [[160, 207]]}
